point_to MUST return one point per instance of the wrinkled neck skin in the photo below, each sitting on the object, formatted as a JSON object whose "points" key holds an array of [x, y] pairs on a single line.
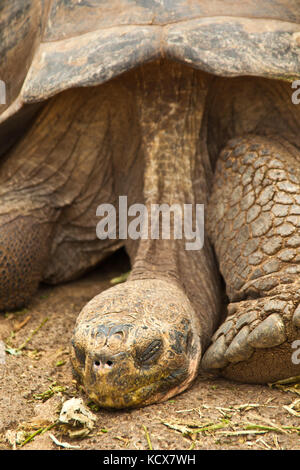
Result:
{"points": [[170, 104]]}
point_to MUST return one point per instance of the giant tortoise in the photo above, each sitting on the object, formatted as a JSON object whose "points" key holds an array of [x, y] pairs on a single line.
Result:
{"points": [[179, 103]]}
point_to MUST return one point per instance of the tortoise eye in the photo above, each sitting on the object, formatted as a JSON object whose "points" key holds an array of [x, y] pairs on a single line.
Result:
{"points": [[151, 353]]}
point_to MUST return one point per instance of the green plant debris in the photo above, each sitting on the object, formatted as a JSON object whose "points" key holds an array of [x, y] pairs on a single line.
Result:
{"points": [[263, 427], [192, 446], [13, 351], [93, 406], [287, 78], [60, 363], [289, 380], [44, 296], [18, 351], [54, 388], [190, 429], [103, 431], [122, 278], [41, 430], [148, 438], [277, 429], [16, 313], [33, 333], [242, 428], [242, 433], [10, 338], [291, 384]]}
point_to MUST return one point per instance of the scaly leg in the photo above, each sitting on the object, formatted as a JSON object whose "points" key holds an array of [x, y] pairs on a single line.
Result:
{"points": [[254, 220]]}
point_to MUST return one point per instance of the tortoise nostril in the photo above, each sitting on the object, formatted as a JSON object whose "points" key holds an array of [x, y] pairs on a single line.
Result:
{"points": [[104, 364]]}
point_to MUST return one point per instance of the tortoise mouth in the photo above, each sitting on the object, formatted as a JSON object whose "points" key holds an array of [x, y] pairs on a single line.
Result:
{"points": [[158, 387], [135, 379]]}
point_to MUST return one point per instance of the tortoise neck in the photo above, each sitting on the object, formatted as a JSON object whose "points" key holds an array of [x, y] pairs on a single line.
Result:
{"points": [[171, 104], [171, 101]]}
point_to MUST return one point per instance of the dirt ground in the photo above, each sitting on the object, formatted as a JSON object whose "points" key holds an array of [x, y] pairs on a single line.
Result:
{"points": [[36, 378]]}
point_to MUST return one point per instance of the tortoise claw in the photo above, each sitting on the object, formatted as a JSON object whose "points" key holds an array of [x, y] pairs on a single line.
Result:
{"points": [[239, 349], [214, 357], [269, 333]]}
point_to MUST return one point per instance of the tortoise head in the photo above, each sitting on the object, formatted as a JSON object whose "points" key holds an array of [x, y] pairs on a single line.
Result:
{"points": [[136, 343]]}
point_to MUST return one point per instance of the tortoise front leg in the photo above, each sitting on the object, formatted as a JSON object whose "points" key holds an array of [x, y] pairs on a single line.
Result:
{"points": [[254, 218], [25, 242]]}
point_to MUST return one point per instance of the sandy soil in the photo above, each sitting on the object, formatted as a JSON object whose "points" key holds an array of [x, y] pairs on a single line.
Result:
{"points": [[212, 414]]}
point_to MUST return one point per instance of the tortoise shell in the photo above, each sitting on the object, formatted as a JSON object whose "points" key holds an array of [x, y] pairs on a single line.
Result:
{"points": [[51, 45]]}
